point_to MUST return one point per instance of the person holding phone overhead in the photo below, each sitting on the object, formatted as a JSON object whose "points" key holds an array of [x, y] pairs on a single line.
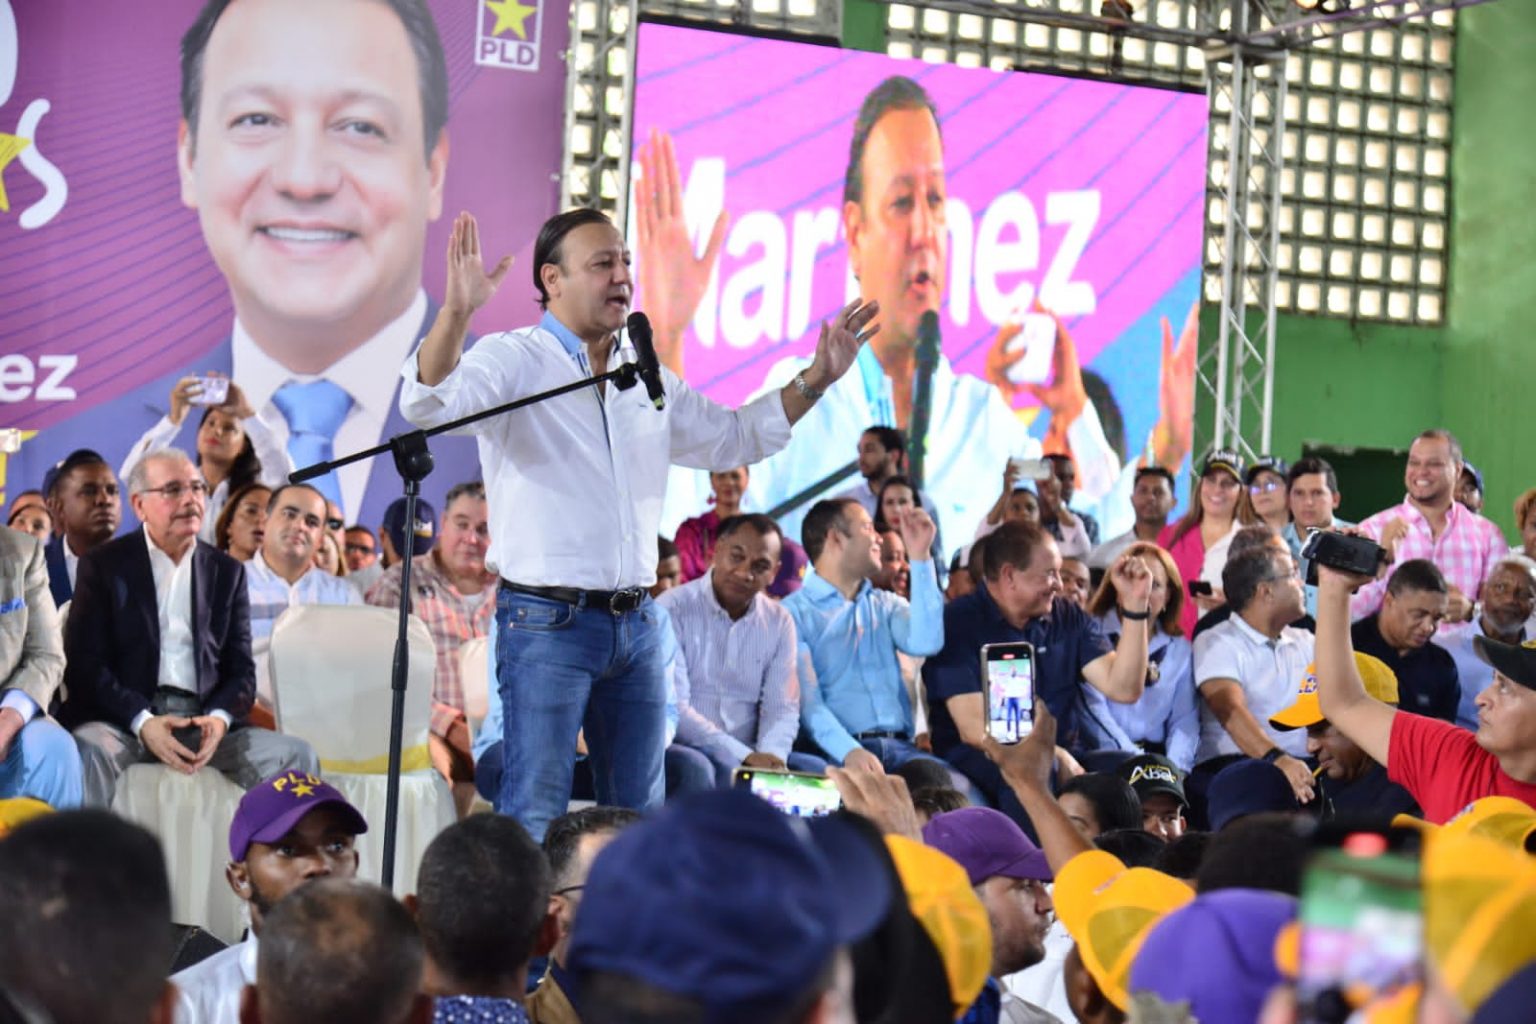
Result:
{"points": [[1017, 601]]}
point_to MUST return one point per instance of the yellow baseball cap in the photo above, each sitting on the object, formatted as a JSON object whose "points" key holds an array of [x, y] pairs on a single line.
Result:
{"points": [[1502, 819], [1479, 913], [1109, 909], [1380, 682], [17, 811], [940, 896]]}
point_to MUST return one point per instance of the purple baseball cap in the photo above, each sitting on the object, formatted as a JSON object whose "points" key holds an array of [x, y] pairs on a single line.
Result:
{"points": [[1216, 954], [272, 807], [987, 844]]}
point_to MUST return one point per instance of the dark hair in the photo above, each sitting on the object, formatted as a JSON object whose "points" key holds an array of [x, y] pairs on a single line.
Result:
{"points": [[71, 462], [227, 513], [277, 493], [482, 894], [755, 521], [420, 29], [1242, 576], [246, 467], [564, 835], [895, 481], [824, 517], [338, 950], [891, 439], [665, 549], [1417, 574], [1136, 847], [610, 998], [357, 528], [1253, 538], [547, 249], [936, 800], [1259, 851], [1014, 543], [1182, 857], [895, 93], [1157, 471], [86, 930], [976, 560], [1309, 464], [1440, 434], [1115, 803], [923, 772]]}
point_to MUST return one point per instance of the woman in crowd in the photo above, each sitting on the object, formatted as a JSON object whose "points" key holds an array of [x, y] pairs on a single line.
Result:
{"points": [[328, 556], [696, 536], [1218, 508], [896, 495], [234, 446], [1166, 720], [1268, 493], [32, 517], [238, 528]]}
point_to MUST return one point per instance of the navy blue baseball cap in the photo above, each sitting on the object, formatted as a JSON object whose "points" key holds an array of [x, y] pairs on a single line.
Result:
{"points": [[1249, 787], [422, 535], [722, 900]]}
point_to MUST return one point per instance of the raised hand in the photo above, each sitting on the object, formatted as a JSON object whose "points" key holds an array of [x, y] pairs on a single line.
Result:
{"points": [[1028, 762], [840, 341], [236, 404], [1000, 360], [1392, 535], [1173, 436], [917, 533], [1133, 582], [182, 394], [671, 277], [469, 286], [1065, 397]]}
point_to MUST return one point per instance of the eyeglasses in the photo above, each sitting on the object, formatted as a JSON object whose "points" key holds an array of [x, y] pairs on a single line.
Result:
{"points": [[333, 524], [359, 549], [1266, 487], [176, 490]]}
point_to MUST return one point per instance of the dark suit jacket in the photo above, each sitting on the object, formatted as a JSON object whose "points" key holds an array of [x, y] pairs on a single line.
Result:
{"points": [[58, 571], [112, 637]]}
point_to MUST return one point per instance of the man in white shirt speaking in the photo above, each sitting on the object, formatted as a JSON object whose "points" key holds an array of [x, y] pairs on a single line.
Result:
{"points": [[576, 486]]}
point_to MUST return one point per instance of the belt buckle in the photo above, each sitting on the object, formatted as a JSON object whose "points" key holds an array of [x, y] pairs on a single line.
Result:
{"points": [[625, 600]]}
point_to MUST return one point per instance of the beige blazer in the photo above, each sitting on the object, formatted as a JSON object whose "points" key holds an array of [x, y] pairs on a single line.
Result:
{"points": [[31, 638]]}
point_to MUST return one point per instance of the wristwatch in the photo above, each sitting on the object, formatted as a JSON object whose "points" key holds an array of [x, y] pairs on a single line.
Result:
{"points": [[804, 388], [1272, 755]]}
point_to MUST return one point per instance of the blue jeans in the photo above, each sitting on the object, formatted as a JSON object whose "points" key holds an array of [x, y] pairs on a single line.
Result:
{"points": [[43, 763], [561, 668], [689, 771]]}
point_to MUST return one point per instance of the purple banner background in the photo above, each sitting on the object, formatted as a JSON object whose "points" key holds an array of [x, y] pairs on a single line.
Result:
{"points": [[120, 277]]}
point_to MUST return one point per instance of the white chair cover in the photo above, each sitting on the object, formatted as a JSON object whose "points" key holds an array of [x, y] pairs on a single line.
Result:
{"points": [[190, 814], [331, 685], [475, 676]]}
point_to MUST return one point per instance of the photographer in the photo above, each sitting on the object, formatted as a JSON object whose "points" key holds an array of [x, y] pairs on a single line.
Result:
{"points": [[1443, 767]]}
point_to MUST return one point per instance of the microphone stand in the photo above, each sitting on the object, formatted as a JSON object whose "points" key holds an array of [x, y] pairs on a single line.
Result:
{"points": [[413, 461]]}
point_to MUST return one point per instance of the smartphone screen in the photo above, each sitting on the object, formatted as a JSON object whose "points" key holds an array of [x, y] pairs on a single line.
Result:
{"points": [[1009, 671], [1361, 927], [805, 796]]}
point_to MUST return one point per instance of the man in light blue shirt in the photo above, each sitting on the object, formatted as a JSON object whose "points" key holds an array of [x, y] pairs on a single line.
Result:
{"points": [[1507, 600], [853, 703], [1313, 491]]}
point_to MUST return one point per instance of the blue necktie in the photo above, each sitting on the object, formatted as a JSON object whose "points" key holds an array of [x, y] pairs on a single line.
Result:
{"points": [[314, 412]]}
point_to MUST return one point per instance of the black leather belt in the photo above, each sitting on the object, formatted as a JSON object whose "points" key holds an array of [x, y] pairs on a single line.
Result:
{"points": [[615, 601], [882, 734]]}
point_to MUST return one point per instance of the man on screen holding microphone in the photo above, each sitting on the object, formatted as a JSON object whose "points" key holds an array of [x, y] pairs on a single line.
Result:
{"points": [[576, 487]]}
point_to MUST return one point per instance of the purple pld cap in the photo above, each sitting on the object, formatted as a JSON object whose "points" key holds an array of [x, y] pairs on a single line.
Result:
{"points": [[272, 807], [987, 844]]}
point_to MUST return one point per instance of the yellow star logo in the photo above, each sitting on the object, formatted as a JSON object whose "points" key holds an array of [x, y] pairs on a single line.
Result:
{"points": [[303, 789], [509, 15], [10, 145]]}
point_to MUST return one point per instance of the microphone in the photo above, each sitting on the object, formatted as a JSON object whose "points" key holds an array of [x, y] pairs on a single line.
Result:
{"points": [[645, 353], [922, 395]]}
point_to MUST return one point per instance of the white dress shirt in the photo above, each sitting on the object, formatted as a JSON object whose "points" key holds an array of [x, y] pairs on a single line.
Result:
{"points": [[576, 484], [368, 375], [1269, 671], [735, 680], [271, 595], [71, 563], [209, 991], [270, 451]]}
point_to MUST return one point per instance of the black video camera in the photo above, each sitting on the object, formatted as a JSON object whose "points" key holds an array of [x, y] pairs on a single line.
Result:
{"points": [[1344, 552]]}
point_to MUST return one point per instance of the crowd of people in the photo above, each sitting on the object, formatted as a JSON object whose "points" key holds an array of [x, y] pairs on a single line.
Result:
{"points": [[1202, 698]]}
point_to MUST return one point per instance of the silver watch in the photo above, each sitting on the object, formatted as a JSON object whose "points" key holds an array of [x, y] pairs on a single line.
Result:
{"points": [[805, 388]]}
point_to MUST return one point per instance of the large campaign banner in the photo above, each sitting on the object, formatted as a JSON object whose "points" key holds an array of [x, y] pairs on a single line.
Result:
{"points": [[262, 189], [1053, 224]]}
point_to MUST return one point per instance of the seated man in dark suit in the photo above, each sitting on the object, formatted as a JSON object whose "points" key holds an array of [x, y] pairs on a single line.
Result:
{"points": [[82, 497], [158, 647]]}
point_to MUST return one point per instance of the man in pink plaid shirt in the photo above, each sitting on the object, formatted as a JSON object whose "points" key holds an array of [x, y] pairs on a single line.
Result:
{"points": [[453, 595], [1431, 524]]}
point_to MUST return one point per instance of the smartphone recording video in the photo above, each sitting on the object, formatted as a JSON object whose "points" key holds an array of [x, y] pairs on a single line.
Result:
{"points": [[797, 793], [1009, 672]]}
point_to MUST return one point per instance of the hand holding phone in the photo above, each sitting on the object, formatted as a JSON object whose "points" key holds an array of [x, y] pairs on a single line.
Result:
{"points": [[1200, 588], [211, 390], [798, 793]]}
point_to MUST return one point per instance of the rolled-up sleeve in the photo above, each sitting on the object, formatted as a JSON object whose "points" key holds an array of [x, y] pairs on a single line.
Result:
{"points": [[709, 436], [488, 374]]}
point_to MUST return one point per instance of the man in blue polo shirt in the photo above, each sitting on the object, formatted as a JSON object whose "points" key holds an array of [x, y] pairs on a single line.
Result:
{"points": [[1017, 601], [853, 703]]}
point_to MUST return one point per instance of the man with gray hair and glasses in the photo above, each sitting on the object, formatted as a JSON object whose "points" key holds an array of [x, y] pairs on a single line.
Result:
{"points": [[1508, 601], [158, 647]]}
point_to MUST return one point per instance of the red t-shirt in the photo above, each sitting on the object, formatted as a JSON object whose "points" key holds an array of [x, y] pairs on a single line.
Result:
{"points": [[1444, 769]]}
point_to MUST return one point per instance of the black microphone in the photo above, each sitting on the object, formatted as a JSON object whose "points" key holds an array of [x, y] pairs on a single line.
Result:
{"points": [[645, 352], [922, 395]]}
